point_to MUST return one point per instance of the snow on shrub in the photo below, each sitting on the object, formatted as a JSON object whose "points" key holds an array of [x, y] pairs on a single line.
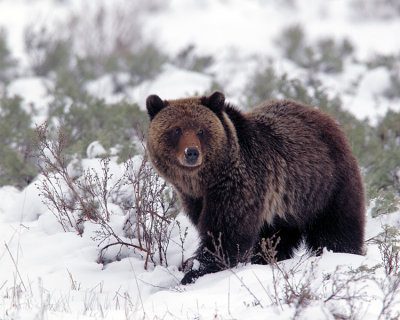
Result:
{"points": [[125, 208]]}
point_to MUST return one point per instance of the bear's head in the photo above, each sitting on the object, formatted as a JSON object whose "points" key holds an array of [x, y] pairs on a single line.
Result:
{"points": [[186, 136]]}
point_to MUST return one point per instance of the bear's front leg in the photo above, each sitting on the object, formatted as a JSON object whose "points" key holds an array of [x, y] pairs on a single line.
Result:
{"points": [[215, 255], [199, 265], [192, 206], [228, 228]]}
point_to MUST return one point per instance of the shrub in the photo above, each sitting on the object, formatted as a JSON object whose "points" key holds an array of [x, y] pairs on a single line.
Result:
{"points": [[383, 60], [120, 49], [389, 247], [153, 209], [47, 52], [266, 83], [292, 42], [263, 85], [132, 210], [119, 125], [392, 64], [188, 59], [16, 139], [7, 63], [376, 9], [88, 46], [144, 64], [393, 92], [383, 176], [326, 55]]}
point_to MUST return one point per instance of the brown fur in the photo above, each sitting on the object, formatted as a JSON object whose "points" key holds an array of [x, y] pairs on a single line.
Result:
{"points": [[281, 169], [188, 140]]}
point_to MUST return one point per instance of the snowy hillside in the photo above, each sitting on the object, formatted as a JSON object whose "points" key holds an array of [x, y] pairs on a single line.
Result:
{"points": [[89, 66]]}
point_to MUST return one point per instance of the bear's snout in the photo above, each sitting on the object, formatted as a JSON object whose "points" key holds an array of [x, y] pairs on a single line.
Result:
{"points": [[191, 155], [189, 149]]}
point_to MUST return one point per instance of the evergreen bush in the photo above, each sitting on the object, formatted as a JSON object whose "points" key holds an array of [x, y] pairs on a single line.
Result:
{"points": [[119, 126], [7, 62], [16, 143]]}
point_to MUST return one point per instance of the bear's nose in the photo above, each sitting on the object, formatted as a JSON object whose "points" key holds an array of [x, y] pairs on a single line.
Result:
{"points": [[191, 155]]}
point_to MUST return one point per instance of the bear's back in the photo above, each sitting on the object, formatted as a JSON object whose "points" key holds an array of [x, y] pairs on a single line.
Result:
{"points": [[301, 128], [306, 149]]}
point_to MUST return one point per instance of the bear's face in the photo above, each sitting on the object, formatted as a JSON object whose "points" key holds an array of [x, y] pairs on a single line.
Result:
{"points": [[186, 135]]}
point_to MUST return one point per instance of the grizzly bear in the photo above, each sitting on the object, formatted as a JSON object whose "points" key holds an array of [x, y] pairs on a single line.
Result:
{"points": [[282, 170]]}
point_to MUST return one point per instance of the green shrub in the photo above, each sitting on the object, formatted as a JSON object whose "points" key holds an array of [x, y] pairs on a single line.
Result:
{"points": [[329, 55], [7, 63], [393, 92], [384, 201], [383, 60], [326, 55], [16, 140], [119, 127], [392, 64], [70, 84], [144, 64], [84, 48], [91, 119], [376, 9], [383, 171], [262, 86], [47, 52], [188, 59], [266, 83], [389, 247], [292, 42]]}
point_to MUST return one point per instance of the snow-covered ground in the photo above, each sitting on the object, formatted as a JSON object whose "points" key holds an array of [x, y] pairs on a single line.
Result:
{"points": [[46, 273]]}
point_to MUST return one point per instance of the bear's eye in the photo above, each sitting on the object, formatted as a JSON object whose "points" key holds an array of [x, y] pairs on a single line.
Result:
{"points": [[200, 132], [177, 131]]}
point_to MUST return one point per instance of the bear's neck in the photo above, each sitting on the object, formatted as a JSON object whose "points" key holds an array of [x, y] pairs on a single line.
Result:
{"points": [[190, 185]]}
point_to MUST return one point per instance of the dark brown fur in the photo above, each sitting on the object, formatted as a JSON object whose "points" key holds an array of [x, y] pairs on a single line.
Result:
{"points": [[282, 169]]}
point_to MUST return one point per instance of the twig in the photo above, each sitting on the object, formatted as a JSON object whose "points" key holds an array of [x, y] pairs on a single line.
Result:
{"points": [[15, 265]]}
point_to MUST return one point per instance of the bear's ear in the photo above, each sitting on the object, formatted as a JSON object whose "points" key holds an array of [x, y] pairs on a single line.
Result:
{"points": [[154, 104], [216, 102]]}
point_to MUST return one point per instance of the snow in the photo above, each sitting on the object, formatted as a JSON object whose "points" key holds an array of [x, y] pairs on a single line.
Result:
{"points": [[26, 205], [213, 27], [95, 150], [34, 92], [234, 33], [47, 273], [165, 85], [370, 89], [104, 87], [17, 15]]}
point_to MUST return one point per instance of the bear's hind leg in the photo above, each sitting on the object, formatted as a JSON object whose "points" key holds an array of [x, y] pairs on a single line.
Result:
{"points": [[340, 227]]}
